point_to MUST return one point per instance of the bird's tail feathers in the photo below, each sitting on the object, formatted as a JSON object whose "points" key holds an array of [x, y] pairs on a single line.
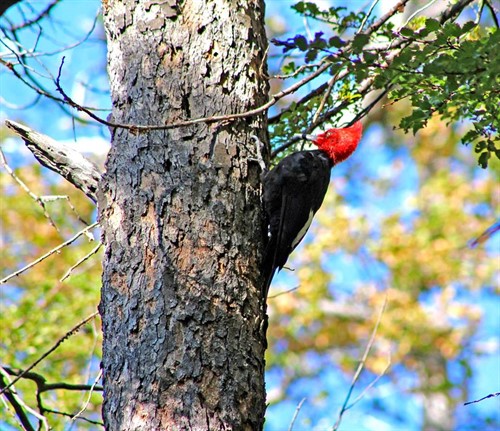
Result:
{"points": [[269, 265]]}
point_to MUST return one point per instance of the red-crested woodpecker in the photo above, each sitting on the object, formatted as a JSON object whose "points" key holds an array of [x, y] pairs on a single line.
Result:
{"points": [[294, 190]]}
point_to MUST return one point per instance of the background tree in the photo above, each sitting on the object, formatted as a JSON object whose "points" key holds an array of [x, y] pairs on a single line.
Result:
{"points": [[364, 57]]}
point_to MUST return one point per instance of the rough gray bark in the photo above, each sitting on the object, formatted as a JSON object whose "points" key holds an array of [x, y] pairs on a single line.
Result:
{"points": [[180, 209]]}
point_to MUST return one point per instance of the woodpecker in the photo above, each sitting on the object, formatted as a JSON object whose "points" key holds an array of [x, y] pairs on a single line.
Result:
{"points": [[294, 190]]}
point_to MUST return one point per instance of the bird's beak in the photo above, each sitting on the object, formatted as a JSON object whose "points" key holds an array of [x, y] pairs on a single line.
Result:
{"points": [[310, 137]]}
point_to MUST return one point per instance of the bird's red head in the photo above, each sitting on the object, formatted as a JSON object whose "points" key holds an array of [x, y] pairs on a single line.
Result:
{"points": [[339, 144]]}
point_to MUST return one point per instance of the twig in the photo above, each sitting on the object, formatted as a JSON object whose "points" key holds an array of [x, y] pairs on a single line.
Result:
{"points": [[19, 405], [372, 6], [297, 71], [414, 14], [398, 8], [496, 394], [99, 375], [23, 185], [322, 104], [207, 120], [283, 293], [51, 252], [486, 235], [494, 16], [68, 334], [373, 383], [51, 198], [57, 412], [83, 259], [360, 366], [454, 10], [43, 386], [41, 15], [297, 410]]}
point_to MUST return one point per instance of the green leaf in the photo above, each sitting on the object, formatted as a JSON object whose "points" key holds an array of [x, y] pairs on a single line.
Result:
{"points": [[407, 32], [370, 57], [359, 41], [480, 146], [289, 67], [311, 55], [336, 42], [483, 159], [432, 25], [468, 26], [301, 42]]}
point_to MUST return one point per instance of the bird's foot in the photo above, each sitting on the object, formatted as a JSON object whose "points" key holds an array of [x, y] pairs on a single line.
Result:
{"points": [[258, 151]]}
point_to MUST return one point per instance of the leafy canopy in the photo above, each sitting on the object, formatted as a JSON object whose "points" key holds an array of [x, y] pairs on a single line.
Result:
{"points": [[443, 67]]}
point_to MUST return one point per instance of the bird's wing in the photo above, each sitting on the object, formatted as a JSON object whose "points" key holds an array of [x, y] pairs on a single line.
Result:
{"points": [[299, 183]]}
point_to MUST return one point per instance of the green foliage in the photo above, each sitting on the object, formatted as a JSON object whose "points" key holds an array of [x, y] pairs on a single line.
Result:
{"points": [[453, 71], [37, 308], [446, 69]]}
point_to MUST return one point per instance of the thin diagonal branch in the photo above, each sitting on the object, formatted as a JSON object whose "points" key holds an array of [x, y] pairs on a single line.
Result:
{"points": [[360, 366], [296, 414], [23, 185], [49, 253], [80, 261], [68, 334]]}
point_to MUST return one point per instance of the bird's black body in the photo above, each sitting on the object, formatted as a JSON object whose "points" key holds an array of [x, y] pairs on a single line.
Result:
{"points": [[293, 191]]}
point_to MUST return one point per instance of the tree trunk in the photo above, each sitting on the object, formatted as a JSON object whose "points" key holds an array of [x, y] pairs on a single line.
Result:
{"points": [[180, 211]]}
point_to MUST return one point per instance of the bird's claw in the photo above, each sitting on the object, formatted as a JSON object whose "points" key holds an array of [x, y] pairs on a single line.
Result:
{"points": [[258, 159]]}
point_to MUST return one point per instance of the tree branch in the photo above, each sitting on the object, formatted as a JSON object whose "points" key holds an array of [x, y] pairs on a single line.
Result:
{"points": [[68, 334], [49, 253], [43, 386], [65, 161], [14, 402], [7, 4]]}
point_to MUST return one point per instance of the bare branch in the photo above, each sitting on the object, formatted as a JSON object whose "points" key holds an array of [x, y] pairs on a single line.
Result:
{"points": [[68, 334], [80, 261], [65, 161], [87, 402], [297, 410], [454, 10], [361, 365], [496, 394], [19, 405], [207, 120], [52, 198], [70, 415], [23, 185], [373, 383], [43, 386], [16, 403], [372, 6], [49, 253], [39, 17], [283, 292]]}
